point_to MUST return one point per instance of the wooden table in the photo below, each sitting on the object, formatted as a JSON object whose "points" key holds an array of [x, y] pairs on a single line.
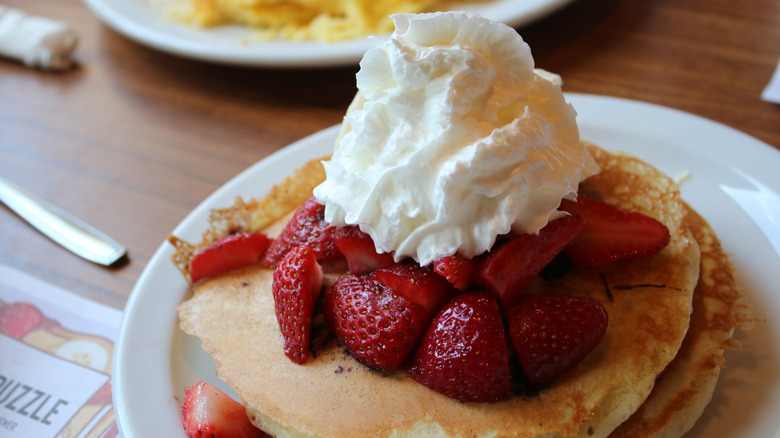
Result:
{"points": [[133, 139]]}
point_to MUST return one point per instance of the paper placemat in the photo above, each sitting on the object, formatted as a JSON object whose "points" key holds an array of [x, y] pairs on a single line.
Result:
{"points": [[55, 365]]}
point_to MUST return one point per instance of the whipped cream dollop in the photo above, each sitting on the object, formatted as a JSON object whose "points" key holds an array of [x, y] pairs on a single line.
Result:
{"points": [[452, 140]]}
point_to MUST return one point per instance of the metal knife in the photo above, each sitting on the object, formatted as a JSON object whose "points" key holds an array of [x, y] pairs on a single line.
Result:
{"points": [[64, 228]]}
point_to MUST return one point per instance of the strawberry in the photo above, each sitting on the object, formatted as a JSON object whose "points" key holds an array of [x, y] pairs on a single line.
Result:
{"points": [[417, 284], [376, 325], [508, 269], [19, 319], [612, 234], [457, 269], [232, 252], [296, 285], [209, 412], [306, 227], [463, 353], [552, 334], [360, 252]]}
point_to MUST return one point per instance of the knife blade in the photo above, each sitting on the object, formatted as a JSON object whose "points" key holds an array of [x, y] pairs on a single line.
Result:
{"points": [[62, 227]]}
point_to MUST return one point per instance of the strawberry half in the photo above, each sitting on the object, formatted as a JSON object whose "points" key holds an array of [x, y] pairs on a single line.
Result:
{"points": [[464, 353], [612, 234], [417, 284], [508, 269], [552, 334], [378, 326], [207, 412], [306, 227], [359, 250], [229, 253], [457, 269], [296, 285]]}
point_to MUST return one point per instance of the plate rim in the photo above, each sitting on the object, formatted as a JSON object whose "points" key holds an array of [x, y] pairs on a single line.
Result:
{"points": [[750, 146]]}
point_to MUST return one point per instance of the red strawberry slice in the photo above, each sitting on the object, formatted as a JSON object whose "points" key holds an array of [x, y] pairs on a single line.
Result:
{"points": [[552, 334], [376, 325], [208, 412], [457, 269], [508, 269], [19, 319], [296, 286], [306, 227], [360, 252], [229, 253], [464, 353], [417, 284], [612, 234]]}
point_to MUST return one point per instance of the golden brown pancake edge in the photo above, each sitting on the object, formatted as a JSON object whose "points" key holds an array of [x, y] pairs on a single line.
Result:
{"points": [[686, 386]]}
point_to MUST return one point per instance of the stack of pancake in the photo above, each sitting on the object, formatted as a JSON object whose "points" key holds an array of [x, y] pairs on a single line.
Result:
{"points": [[672, 315]]}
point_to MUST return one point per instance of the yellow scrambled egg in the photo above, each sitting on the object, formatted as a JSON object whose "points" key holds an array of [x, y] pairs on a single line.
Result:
{"points": [[323, 20]]}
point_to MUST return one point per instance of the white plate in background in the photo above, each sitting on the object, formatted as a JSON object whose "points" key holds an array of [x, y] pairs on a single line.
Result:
{"points": [[142, 22]]}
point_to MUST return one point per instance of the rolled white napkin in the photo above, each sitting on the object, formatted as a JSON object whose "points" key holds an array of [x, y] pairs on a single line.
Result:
{"points": [[36, 41]]}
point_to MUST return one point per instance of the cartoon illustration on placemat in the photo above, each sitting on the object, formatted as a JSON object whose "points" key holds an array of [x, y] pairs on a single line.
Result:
{"points": [[25, 322]]}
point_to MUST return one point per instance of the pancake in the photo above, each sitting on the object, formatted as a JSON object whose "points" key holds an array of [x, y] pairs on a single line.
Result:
{"points": [[649, 301], [686, 386]]}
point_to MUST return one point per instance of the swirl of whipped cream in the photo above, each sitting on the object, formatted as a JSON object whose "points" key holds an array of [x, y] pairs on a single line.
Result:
{"points": [[452, 140]]}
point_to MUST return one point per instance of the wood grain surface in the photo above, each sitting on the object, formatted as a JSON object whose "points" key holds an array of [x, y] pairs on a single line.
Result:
{"points": [[133, 139]]}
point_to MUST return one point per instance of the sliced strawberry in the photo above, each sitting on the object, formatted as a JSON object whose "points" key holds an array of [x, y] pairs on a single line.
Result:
{"points": [[296, 286], [508, 269], [552, 334], [360, 252], [612, 234], [376, 325], [19, 319], [463, 353], [417, 284], [306, 227], [457, 269], [229, 253], [209, 412]]}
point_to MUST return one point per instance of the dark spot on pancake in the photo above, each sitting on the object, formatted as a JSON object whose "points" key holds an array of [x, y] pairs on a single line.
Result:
{"points": [[607, 290], [637, 286]]}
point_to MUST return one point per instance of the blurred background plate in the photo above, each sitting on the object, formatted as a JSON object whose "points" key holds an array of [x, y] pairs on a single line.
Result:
{"points": [[140, 21]]}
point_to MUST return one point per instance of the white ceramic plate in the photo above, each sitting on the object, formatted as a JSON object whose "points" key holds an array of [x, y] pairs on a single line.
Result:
{"points": [[733, 182], [139, 20]]}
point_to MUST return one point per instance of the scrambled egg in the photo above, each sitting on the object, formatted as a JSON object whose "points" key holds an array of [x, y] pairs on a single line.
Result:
{"points": [[298, 20]]}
